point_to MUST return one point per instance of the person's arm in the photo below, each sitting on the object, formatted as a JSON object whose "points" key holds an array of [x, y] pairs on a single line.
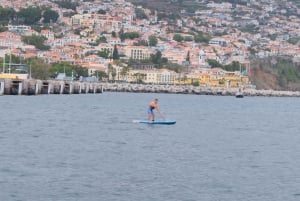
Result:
{"points": [[158, 110]]}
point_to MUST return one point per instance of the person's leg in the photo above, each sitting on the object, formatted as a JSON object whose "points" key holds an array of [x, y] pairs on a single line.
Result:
{"points": [[150, 114]]}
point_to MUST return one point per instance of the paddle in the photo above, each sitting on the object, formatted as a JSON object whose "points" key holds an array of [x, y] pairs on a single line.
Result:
{"points": [[163, 117]]}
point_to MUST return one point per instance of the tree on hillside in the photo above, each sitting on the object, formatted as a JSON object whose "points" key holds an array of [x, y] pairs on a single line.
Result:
{"points": [[132, 35], [124, 72], [101, 39], [101, 75], [101, 12], [2, 28], [140, 14], [152, 40], [214, 63], [69, 69], [178, 38], [38, 68], [187, 59], [158, 60], [30, 15], [234, 66], [122, 35], [115, 53], [37, 41], [6, 14], [50, 16], [103, 53], [68, 4], [79, 71]]}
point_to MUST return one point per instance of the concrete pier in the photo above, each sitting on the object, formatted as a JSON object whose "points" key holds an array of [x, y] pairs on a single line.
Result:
{"points": [[36, 87]]}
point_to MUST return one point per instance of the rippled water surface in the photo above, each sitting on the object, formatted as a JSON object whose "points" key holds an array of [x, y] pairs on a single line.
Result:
{"points": [[86, 147]]}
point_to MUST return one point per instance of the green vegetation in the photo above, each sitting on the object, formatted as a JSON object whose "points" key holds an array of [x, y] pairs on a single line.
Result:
{"points": [[158, 60], [37, 41], [41, 70], [101, 39], [287, 72], [178, 38], [152, 40], [50, 16], [128, 35], [5, 15], [2, 29], [174, 67], [68, 4], [275, 72], [202, 38], [294, 41], [30, 15], [140, 14], [273, 36], [104, 53], [115, 54], [196, 83], [69, 69], [101, 75], [169, 9], [101, 11], [234, 66], [170, 17], [250, 28]]}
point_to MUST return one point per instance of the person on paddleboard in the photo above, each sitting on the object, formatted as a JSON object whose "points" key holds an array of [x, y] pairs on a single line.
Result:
{"points": [[152, 106]]}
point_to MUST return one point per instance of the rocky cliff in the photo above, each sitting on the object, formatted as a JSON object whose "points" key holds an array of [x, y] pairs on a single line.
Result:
{"points": [[275, 73]]}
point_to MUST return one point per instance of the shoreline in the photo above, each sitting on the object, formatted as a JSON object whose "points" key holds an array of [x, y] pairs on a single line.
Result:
{"points": [[197, 90], [36, 87]]}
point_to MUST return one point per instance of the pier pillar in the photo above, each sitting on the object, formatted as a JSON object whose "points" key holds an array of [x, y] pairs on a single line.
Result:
{"points": [[71, 88], [20, 87], [61, 88], [94, 89], [49, 88], [1, 88], [87, 87], [80, 88], [36, 89]]}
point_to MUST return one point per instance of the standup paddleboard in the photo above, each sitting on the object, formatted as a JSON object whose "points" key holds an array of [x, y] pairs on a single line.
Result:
{"points": [[167, 122]]}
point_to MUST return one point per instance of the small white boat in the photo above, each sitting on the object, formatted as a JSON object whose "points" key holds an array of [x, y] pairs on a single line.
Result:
{"points": [[239, 94]]}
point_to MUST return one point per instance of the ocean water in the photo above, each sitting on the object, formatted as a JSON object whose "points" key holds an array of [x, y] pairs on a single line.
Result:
{"points": [[87, 148]]}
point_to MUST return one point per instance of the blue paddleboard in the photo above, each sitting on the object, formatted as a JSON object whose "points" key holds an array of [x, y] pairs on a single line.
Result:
{"points": [[157, 122]]}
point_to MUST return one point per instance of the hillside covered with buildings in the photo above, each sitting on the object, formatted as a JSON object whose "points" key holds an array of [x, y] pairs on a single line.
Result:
{"points": [[212, 43]]}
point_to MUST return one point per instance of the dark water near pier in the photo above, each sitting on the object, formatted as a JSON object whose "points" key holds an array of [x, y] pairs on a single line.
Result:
{"points": [[86, 147]]}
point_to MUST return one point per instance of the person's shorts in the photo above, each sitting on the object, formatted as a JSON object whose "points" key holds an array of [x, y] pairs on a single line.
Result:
{"points": [[150, 111]]}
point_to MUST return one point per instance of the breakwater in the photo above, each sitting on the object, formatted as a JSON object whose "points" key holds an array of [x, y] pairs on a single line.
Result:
{"points": [[198, 90], [35, 87]]}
